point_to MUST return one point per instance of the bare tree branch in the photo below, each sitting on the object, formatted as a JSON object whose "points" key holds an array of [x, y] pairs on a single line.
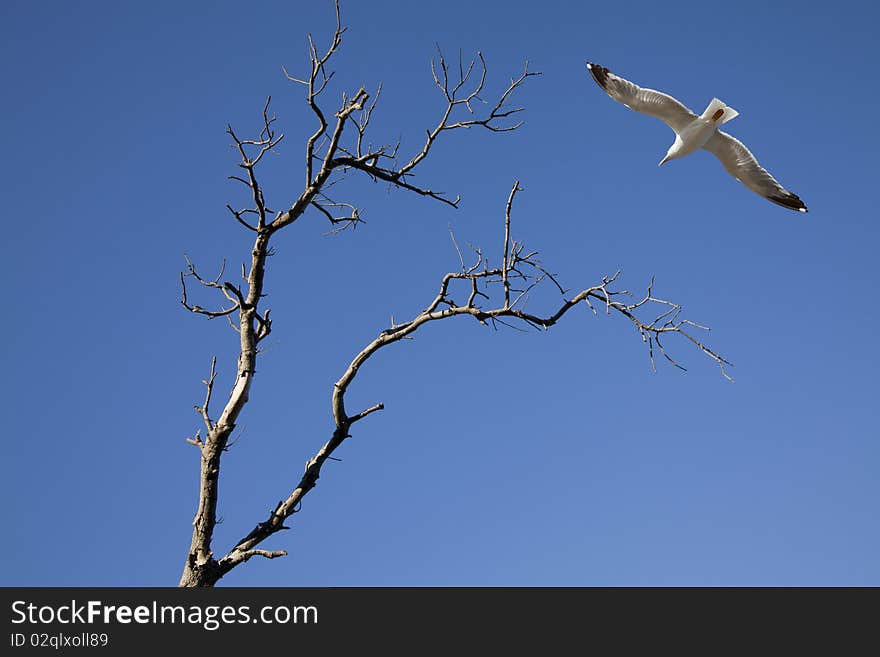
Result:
{"points": [[249, 161], [368, 161], [316, 87], [516, 264], [505, 267], [239, 213], [326, 151], [229, 292], [204, 409], [349, 219]]}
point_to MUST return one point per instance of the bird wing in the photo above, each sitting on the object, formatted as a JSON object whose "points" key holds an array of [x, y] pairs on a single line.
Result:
{"points": [[743, 166], [647, 101]]}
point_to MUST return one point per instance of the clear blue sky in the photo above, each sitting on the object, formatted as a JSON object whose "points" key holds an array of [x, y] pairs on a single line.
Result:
{"points": [[502, 458]]}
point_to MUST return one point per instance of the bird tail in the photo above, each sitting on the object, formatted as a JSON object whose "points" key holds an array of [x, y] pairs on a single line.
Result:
{"points": [[719, 112]]}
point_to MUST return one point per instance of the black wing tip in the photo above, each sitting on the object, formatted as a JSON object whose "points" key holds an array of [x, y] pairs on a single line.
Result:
{"points": [[790, 201], [600, 74]]}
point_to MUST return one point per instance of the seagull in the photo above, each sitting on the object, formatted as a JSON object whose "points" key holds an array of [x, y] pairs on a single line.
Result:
{"points": [[693, 132]]}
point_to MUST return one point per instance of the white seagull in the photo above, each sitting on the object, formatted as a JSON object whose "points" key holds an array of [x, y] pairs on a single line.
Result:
{"points": [[693, 132]]}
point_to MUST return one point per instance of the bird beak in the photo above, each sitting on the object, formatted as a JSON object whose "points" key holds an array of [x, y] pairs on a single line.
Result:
{"points": [[662, 161]]}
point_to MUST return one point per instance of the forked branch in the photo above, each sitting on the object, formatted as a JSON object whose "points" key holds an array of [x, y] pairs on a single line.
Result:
{"points": [[328, 151], [458, 95], [478, 281]]}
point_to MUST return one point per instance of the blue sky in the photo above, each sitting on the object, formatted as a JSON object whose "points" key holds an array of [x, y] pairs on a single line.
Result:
{"points": [[502, 458]]}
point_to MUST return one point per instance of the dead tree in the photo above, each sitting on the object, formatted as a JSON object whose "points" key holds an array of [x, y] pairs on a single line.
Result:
{"points": [[492, 294]]}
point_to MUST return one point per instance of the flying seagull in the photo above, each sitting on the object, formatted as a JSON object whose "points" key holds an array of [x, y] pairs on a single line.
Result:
{"points": [[693, 132]]}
